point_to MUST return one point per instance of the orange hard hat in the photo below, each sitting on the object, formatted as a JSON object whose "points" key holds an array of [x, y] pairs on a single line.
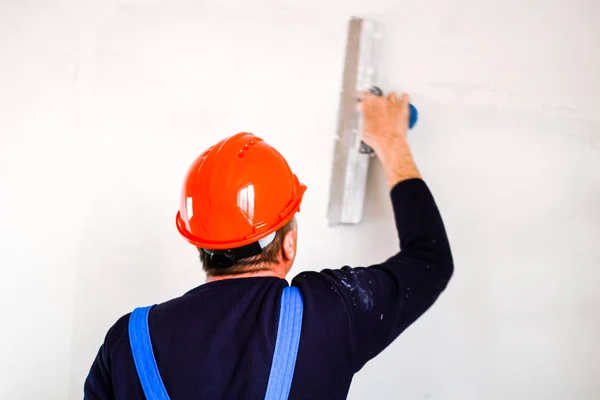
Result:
{"points": [[237, 192]]}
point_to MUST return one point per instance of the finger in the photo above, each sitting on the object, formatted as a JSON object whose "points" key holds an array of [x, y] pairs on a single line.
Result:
{"points": [[362, 95], [404, 101], [391, 97]]}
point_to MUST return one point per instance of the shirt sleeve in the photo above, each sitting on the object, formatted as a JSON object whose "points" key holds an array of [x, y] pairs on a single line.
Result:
{"points": [[382, 300], [99, 384]]}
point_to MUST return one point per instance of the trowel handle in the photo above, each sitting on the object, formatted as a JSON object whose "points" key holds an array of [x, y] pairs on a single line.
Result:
{"points": [[413, 115]]}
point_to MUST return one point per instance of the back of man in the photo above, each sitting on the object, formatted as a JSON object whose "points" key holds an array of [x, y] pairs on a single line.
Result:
{"points": [[218, 340]]}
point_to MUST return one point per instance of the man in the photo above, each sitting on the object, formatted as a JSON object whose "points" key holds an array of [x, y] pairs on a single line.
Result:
{"points": [[218, 341]]}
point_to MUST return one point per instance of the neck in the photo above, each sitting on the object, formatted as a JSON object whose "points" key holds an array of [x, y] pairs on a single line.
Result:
{"points": [[257, 274]]}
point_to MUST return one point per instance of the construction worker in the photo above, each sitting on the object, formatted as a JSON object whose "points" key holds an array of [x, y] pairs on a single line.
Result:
{"points": [[246, 334]]}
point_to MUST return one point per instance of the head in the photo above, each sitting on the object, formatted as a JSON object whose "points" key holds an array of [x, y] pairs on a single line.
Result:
{"points": [[237, 206], [276, 258]]}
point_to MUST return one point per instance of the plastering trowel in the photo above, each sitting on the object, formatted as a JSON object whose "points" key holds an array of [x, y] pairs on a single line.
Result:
{"points": [[351, 155]]}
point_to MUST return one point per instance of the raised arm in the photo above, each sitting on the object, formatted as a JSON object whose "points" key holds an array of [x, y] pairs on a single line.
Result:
{"points": [[384, 299]]}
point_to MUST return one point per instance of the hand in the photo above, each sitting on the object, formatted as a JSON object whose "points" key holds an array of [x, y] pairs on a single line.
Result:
{"points": [[385, 123], [385, 120]]}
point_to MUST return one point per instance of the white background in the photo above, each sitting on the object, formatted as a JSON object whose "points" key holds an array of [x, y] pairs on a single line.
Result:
{"points": [[104, 103]]}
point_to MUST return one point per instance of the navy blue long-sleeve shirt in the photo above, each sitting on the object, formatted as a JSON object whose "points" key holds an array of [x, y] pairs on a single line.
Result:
{"points": [[217, 341]]}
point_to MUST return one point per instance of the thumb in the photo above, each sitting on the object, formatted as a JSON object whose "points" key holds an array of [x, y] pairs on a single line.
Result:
{"points": [[404, 101]]}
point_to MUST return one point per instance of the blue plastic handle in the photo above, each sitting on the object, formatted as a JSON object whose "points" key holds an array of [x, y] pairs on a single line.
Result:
{"points": [[413, 116]]}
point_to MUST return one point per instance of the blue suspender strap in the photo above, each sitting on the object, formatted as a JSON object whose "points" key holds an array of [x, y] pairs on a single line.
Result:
{"points": [[286, 345], [284, 357], [143, 356]]}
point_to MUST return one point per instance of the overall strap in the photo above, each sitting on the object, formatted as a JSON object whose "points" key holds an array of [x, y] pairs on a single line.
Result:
{"points": [[143, 356], [286, 345]]}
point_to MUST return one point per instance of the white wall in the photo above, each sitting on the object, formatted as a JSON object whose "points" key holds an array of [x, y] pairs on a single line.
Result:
{"points": [[103, 104]]}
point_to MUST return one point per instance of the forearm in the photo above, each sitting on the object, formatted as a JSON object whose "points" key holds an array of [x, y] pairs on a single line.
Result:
{"points": [[418, 220], [397, 162], [421, 230]]}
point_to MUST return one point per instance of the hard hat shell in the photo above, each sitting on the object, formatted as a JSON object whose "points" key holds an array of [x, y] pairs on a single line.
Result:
{"points": [[237, 192]]}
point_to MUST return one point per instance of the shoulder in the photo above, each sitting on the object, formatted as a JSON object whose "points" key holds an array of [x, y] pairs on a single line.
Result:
{"points": [[117, 335], [324, 283], [335, 287]]}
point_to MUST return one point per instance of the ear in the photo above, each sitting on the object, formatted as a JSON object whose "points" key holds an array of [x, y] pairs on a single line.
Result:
{"points": [[289, 245]]}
